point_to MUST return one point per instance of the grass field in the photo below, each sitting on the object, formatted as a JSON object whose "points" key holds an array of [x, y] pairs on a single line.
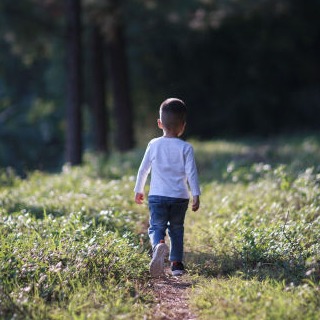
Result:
{"points": [[73, 244]]}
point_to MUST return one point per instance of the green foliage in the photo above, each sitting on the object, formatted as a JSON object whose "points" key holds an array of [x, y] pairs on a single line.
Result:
{"points": [[235, 64], [73, 244], [257, 233], [243, 68], [70, 248], [268, 221], [235, 298], [32, 89]]}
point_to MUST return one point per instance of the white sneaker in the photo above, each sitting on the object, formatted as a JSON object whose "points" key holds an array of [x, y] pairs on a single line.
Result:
{"points": [[157, 263], [177, 269]]}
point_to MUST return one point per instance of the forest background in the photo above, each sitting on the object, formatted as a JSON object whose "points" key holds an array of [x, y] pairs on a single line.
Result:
{"points": [[90, 75]]}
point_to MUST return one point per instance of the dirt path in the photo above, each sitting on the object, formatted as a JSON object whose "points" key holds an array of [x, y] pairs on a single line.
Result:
{"points": [[172, 300]]}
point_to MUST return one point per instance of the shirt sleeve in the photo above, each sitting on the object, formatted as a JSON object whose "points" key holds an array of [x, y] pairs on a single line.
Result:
{"points": [[143, 172], [192, 173]]}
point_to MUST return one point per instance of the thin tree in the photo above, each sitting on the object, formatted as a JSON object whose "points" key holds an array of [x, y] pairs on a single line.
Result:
{"points": [[123, 113], [74, 84], [98, 91]]}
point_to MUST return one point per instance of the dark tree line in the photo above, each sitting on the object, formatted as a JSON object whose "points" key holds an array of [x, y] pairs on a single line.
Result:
{"points": [[88, 39], [116, 47], [243, 67]]}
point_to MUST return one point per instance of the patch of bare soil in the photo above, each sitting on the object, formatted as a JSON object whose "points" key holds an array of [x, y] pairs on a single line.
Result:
{"points": [[172, 301]]}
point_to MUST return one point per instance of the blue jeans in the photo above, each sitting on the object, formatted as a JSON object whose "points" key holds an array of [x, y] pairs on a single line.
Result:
{"points": [[168, 213]]}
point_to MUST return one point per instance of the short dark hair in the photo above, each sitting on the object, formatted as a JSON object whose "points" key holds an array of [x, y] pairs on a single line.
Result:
{"points": [[173, 113]]}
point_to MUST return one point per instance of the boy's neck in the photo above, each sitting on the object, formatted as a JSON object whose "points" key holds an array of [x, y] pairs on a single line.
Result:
{"points": [[168, 134]]}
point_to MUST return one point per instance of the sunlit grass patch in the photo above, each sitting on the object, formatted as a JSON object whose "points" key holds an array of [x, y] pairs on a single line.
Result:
{"points": [[254, 244], [70, 238], [248, 225], [49, 260], [74, 243], [248, 159], [236, 298]]}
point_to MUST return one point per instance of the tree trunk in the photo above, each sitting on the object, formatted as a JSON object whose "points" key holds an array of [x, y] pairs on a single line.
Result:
{"points": [[98, 92], [124, 135], [74, 87]]}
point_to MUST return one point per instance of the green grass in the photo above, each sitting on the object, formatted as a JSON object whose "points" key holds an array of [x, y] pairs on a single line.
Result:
{"points": [[235, 298], [254, 245], [73, 244], [71, 247]]}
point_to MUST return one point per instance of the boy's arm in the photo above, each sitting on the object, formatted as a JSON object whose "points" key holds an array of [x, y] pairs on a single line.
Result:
{"points": [[192, 176], [195, 203], [143, 172]]}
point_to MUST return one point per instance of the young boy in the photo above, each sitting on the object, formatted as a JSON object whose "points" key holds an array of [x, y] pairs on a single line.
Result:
{"points": [[173, 169]]}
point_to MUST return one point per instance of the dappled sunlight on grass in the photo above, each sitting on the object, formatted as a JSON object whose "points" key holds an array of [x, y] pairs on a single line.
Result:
{"points": [[216, 158], [259, 223], [237, 298], [74, 243]]}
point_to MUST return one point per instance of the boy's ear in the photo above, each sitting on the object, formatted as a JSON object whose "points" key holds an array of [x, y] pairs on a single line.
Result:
{"points": [[160, 124], [183, 128]]}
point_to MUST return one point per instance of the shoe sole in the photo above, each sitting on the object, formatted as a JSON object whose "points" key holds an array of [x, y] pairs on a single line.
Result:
{"points": [[157, 262], [177, 273]]}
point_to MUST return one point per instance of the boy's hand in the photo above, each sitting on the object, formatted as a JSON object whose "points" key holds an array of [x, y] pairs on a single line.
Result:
{"points": [[195, 203], [139, 198]]}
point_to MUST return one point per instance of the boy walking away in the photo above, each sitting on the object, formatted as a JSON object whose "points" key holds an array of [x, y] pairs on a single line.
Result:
{"points": [[173, 173]]}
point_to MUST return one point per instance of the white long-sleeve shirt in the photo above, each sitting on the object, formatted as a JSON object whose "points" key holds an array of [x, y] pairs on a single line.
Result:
{"points": [[173, 168]]}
